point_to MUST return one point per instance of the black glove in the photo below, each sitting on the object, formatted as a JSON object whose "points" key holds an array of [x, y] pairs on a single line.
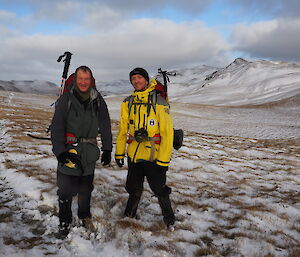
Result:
{"points": [[66, 156], [105, 157], [63, 157], [162, 168], [120, 162]]}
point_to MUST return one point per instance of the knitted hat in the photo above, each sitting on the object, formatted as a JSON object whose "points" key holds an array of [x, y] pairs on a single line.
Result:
{"points": [[139, 71]]}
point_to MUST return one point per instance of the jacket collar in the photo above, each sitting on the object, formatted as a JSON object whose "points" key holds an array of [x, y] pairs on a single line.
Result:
{"points": [[93, 93], [142, 96]]}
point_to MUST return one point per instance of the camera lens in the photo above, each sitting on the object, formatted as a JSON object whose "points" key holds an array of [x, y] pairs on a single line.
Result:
{"points": [[141, 135]]}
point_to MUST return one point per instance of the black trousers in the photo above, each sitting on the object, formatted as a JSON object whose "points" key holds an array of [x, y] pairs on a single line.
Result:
{"points": [[70, 186], [156, 178]]}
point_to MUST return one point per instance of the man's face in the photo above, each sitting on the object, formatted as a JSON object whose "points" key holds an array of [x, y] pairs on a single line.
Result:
{"points": [[83, 80], [139, 82]]}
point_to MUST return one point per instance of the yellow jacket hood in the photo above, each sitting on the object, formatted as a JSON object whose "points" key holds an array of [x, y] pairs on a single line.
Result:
{"points": [[143, 95]]}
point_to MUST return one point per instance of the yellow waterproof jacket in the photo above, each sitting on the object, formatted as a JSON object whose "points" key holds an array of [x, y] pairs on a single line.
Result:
{"points": [[157, 121]]}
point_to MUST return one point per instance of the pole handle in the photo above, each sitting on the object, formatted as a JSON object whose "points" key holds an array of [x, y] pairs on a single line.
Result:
{"points": [[67, 60]]}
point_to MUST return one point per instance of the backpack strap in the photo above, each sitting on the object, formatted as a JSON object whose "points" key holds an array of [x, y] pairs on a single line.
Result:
{"points": [[69, 105], [130, 103], [98, 103], [153, 96], [152, 99]]}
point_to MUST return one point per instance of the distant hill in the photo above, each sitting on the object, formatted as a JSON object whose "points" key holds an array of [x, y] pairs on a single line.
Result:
{"points": [[118, 87], [241, 82], [48, 88], [30, 86]]}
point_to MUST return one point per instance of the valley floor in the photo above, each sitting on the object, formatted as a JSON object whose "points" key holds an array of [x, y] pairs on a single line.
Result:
{"points": [[233, 194]]}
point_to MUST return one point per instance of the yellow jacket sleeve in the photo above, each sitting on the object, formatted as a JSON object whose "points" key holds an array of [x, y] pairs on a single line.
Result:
{"points": [[122, 134]]}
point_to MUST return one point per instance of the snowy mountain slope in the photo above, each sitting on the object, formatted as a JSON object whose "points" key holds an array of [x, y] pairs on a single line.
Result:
{"points": [[240, 83], [49, 88], [118, 87], [30, 86]]}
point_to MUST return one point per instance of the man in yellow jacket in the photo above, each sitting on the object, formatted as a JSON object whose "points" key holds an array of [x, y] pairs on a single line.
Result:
{"points": [[146, 128]]}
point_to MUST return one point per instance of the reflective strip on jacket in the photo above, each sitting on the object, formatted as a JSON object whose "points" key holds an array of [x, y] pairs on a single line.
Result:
{"points": [[159, 121]]}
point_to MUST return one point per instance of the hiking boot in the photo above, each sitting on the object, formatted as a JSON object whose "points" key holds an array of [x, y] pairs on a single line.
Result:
{"points": [[171, 228], [88, 224], [63, 231], [169, 221]]}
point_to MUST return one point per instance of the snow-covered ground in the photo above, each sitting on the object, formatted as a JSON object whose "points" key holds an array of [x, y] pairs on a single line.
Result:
{"points": [[235, 182], [262, 122]]}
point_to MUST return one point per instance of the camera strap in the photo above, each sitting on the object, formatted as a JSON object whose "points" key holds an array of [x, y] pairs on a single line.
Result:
{"points": [[155, 139]]}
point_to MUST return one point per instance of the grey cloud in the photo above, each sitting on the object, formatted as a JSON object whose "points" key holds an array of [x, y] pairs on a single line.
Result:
{"points": [[276, 40], [190, 6], [6, 16], [101, 17], [271, 8], [112, 55], [59, 11], [62, 9]]}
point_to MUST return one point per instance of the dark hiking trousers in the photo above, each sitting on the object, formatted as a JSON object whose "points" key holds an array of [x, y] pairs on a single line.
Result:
{"points": [[157, 181], [70, 186]]}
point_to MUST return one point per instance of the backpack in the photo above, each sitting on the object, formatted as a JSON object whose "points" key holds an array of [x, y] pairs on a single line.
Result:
{"points": [[160, 90]]}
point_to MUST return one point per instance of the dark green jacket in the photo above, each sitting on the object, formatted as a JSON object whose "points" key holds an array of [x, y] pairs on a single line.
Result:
{"points": [[84, 120]]}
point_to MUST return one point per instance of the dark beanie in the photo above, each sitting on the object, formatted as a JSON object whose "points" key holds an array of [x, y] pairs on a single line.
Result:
{"points": [[139, 71]]}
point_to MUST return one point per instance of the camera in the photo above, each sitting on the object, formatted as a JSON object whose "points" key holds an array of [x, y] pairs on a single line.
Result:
{"points": [[141, 135]]}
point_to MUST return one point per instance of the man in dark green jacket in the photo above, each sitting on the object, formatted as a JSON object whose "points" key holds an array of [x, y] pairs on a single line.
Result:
{"points": [[80, 114]]}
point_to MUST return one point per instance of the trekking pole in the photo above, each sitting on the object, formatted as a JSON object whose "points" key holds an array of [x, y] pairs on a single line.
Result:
{"points": [[166, 78], [178, 133], [67, 61]]}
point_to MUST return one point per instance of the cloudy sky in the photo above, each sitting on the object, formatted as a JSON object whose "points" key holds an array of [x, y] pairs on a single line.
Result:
{"points": [[114, 36]]}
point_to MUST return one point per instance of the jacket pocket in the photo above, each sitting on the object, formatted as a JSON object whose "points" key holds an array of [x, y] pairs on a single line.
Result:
{"points": [[92, 153]]}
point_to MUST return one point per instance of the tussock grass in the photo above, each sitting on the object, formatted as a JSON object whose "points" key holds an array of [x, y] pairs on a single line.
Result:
{"points": [[130, 223]]}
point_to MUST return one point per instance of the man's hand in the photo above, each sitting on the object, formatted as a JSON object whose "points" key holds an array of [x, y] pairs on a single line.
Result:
{"points": [[63, 157], [120, 162], [67, 156], [105, 157]]}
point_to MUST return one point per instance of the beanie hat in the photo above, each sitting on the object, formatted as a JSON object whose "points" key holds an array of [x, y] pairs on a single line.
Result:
{"points": [[139, 71]]}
